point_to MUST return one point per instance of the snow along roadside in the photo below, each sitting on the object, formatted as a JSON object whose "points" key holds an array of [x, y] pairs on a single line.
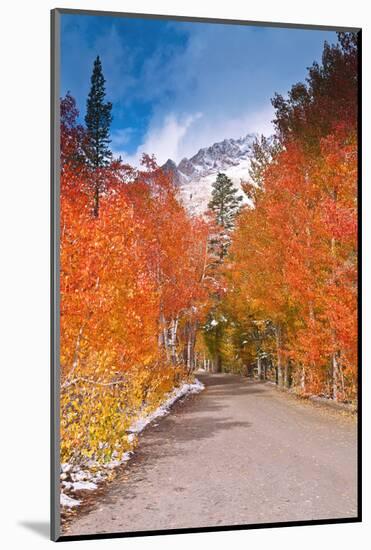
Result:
{"points": [[88, 479]]}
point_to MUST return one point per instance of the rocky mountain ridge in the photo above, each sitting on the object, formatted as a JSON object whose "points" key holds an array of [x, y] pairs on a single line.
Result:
{"points": [[195, 175]]}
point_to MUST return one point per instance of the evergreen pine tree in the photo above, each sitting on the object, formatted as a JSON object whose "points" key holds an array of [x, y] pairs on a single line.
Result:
{"points": [[224, 201], [224, 204], [98, 119]]}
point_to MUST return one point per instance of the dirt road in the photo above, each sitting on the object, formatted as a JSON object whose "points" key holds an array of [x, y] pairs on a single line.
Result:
{"points": [[240, 452]]}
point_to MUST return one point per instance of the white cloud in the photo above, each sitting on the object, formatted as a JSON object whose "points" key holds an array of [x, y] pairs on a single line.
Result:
{"points": [[211, 76], [120, 138], [208, 131], [178, 137], [163, 140], [229, 73]]}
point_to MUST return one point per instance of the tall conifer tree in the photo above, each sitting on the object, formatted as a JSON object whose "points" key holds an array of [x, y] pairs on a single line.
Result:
{"points": [[224, 204], [98, 120]]}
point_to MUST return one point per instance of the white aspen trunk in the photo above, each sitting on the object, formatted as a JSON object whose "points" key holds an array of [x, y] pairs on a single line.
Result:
{"points": [[279, 358], [286, 375], [189, 347], [193, 347], [163, 337], [335, 376], [302, 378], [341, 376], [166, 338], [165, 332], [172, 343]]}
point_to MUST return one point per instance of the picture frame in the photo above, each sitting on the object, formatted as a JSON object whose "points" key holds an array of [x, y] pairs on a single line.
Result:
{"points": [[56, 533]]}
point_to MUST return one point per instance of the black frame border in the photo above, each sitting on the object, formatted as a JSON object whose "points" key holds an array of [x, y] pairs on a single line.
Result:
{"points": [[55, 534]]}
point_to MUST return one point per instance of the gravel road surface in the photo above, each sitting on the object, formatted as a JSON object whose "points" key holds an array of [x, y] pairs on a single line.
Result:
{"points": [[240, 452]]}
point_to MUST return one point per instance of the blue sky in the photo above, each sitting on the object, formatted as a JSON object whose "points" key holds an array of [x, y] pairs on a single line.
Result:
{"points": [[178, 86]]}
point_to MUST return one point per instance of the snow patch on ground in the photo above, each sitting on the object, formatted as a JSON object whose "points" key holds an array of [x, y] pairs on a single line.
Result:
{"points": [[69, 502], [163, 409], [88, 478]]}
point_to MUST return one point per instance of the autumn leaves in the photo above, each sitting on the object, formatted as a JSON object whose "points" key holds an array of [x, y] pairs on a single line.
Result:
{"points": [[293, 260], [294, 263], [132, 293], [147, 294]]}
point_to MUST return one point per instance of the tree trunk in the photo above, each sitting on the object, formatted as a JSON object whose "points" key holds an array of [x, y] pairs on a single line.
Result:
{"points": [[96, 201], [280, 378], [335, 376], [173, 334], [259, 364], [217, 364], [189, 349], [286, 382], [302, 379], [163, 334], [166, 338]]}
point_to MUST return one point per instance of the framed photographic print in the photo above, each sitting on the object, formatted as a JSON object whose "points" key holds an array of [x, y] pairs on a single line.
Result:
{"points": [[205, 273]]}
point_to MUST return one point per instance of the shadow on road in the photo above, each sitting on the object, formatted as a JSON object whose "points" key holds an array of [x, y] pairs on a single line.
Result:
{"points": [[229, 384], [296, 455], [200, 428]]}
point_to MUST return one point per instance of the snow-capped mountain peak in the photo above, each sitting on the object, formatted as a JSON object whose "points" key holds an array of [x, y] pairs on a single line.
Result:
{"points": [[219, 156], [196, 175]]}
